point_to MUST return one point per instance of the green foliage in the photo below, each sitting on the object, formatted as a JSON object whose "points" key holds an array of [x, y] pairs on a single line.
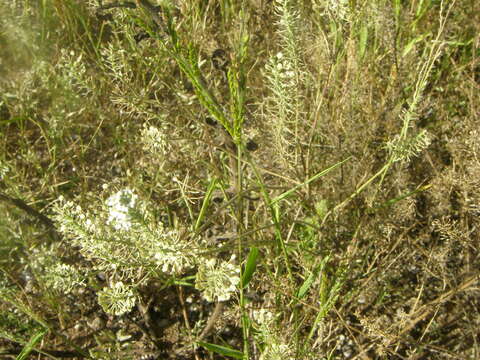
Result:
{"points": [[185, 174], [222, 350], [250, 267], [31, 345]]}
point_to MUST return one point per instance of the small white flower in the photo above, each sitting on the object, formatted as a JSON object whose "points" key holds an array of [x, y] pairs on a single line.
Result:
{"points": [[154, 140], [404, 149], [71, 219], [117, 299], [217, 281], [120, 206], [339, 9], [277, 351], [64, 277], [262, 316], [171, 253]]}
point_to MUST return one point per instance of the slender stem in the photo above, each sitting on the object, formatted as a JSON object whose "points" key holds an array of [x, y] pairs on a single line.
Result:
{"points": [[32, 212]]}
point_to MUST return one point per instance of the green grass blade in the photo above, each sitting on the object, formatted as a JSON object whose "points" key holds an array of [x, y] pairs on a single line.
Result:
{"points": [[30, 346], [411, 44], [206, 203], [250, 267], [274, 215], [313, 178], [404, 196], [222, 350], [302, 291], [363, 41]]}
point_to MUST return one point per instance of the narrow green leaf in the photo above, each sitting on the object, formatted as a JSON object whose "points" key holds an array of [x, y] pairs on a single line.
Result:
{"points": [[363, 40], [412, 43], [302, 291], [313, 178], [398, 8], [250, 267], [222, 350], [206, 203], [404, 196], [420, 8], [31, 345]]}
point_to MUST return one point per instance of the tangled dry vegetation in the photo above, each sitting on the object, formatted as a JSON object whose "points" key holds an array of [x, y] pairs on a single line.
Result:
{"points": [[283, 179]]}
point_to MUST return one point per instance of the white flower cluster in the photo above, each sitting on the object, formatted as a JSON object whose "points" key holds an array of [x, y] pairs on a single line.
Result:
{"points": [[114, 59], [283, 68], [274, 348], [217, 281], [71, 220], [122, 65], [281, 76], [117, 299], [173, 254], [121, 205], [404, 149], [263, 317], [288, 28], [277, 351], [123, 237], [63, 278], [73, 72], [154, 140], [340, 9]]}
